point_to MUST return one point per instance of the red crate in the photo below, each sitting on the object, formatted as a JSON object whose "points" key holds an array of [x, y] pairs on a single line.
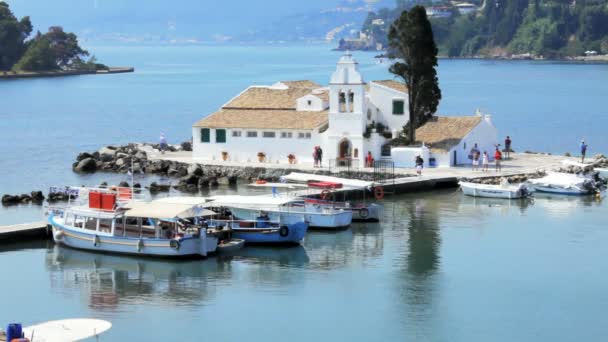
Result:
{"points": [[108, 201], [95, 200]]}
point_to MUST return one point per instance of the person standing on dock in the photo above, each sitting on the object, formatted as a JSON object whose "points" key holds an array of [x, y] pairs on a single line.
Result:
{"points": [[419, 165], [508, 147], [320, 155], [315, 156], [162, 143], [474, 156], [583, 150], [497, 159], [485, 162]]}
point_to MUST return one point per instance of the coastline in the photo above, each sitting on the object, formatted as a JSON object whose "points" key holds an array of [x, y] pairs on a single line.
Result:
{"points": [[40, 74]]}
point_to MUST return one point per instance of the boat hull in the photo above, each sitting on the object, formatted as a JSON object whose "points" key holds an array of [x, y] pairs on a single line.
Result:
{"points": [[487, 191], [287, 234], [315, 220], [188, 247], [560, 190]]}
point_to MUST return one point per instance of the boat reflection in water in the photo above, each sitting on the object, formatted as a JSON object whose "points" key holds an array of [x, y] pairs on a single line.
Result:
{"points": [[294, 256], [110, 280]]}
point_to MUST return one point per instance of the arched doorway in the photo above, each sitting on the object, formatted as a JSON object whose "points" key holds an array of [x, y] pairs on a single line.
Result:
{"points": [[344, 149]]}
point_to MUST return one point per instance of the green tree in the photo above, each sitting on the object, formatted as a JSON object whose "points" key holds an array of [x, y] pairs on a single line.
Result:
{"points": [[53, 50], [413, 46], [13, 34]]}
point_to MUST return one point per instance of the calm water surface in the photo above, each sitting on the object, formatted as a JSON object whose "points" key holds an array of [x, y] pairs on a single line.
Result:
{"points": [[440, 267]]}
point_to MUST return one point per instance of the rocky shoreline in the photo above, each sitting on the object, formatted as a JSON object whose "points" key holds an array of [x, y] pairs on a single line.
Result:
{"points": [[189, 177]]}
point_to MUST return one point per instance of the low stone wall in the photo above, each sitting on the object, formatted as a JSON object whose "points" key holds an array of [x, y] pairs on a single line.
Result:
{"points": [[190, 177]]}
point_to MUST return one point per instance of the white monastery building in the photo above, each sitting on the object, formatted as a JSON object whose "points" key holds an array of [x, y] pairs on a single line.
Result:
{"points": [[347, 119]]}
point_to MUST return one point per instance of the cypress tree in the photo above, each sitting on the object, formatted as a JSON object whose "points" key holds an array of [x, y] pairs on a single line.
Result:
{"points": [[412, 45]]}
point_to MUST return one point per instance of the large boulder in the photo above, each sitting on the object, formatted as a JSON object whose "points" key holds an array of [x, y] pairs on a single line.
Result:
{"points": [[189, 179], [195, 169], [85, 165], [84, 155], [186, 146], [108, 150], [203, 183], [141, 155], [37, 196], [10, 200], [25, 198]]}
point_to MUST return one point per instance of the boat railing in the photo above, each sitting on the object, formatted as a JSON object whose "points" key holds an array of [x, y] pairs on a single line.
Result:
{"points": [[236, 223]]}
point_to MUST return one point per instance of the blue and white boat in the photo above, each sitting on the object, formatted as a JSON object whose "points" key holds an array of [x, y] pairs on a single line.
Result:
{"points": [[287, 210], [136, 228], [264, 231], [565, 184], [253, 229]]}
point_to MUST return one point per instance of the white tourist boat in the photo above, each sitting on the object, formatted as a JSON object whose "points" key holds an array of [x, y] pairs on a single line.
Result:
{"points": [[504, 190], [134, 227], [288, 210], [564, 183]]}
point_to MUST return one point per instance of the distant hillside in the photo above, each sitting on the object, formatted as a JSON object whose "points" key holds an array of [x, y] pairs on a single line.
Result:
{"points": [[191, 21], [549, 28]]}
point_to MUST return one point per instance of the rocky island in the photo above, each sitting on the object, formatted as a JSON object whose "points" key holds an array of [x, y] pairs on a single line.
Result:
{"points": [[50, 54]]}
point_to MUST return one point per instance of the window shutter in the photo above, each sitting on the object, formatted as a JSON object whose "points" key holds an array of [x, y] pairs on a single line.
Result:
{"points": [[220, 135], [205, 135], [398, 107]]}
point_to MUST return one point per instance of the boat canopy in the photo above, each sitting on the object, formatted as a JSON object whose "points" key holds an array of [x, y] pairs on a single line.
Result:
{"points": [[560, 179], [160, 210], [248, 201], [183, 200], [308, 177]]}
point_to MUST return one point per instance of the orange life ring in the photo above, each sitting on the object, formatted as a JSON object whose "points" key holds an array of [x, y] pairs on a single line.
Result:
{"points": [[379, 192], [260, 181], [325, 194]]}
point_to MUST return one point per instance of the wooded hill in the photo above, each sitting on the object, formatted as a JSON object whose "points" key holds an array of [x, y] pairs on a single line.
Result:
{"points": [[549, 28]]}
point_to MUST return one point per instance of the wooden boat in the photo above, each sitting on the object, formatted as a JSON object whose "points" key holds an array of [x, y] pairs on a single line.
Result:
{"points": [[565, 183], [137, 228], [57, 331], [506, 190]]}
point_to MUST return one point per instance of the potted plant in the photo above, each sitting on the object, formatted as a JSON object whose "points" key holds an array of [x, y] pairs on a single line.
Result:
{"points": [[291, 158], [224, 155], [261, 157]]}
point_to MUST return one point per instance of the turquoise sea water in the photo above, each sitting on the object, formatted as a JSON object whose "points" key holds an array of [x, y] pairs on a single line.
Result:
{"points": [[440, 267]]}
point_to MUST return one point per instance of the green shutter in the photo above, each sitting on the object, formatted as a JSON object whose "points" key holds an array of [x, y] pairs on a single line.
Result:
{"points": [[205, 135], [398, 107], [220, 135]]}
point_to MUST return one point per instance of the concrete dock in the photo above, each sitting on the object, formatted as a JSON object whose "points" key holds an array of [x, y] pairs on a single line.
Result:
{"points": [[405, 179], [26, 231]]}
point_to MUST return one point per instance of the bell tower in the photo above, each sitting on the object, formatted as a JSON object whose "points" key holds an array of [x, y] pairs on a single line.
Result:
{"points": [[346, 111]]}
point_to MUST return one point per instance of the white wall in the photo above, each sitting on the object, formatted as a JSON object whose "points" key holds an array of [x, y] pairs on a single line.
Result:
{"points": [[316, 104], [382, 98], [406, 156], [242, 149], [486, 137]]}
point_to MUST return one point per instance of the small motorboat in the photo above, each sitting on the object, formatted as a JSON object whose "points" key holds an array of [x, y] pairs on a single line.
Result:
{"points": [[565, 183], [362, 212], [262, 230], [503, 190], [56, 331], [230, 246]]}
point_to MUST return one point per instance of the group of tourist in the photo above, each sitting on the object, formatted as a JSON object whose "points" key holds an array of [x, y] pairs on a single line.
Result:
{"points": [[317, 156], [477, 157]]}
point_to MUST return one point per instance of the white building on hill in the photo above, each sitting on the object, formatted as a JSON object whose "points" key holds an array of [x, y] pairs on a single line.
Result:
{"points": [[347, 119]]}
